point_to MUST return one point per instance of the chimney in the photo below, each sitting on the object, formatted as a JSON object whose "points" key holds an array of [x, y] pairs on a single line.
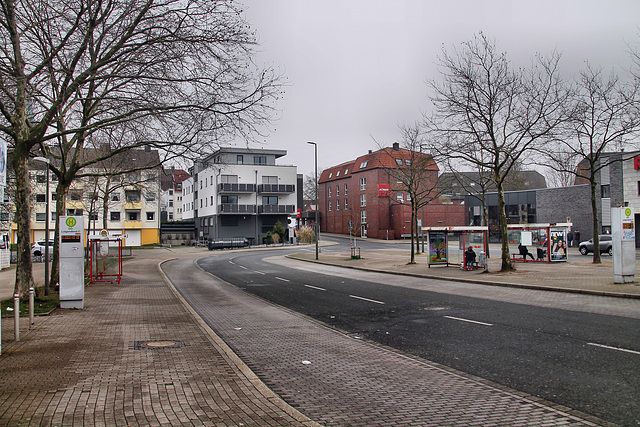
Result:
{"points": [[370, 151], [396, 146]]}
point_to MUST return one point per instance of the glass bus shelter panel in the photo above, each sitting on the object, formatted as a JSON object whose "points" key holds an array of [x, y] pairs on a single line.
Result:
{"points": [[455, 248]]}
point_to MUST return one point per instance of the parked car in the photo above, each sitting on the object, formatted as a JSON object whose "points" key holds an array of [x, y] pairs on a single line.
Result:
{"points": [[226, 243], [606, 243], [37, 249]]}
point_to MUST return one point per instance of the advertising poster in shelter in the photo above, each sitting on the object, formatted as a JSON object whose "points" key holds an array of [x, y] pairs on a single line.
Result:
{"points": [[437, 248], [558, 245]]}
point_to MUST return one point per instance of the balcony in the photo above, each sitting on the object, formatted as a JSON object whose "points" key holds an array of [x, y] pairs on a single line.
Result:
{"points": [[133, 205], [236, 188], [277, 188], [132, 224], [75, 204], [276, 209], [232, 208]]}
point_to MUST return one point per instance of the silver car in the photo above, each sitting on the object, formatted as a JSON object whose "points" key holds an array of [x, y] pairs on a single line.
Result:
{"points": [[606, 243], [38, 248]]}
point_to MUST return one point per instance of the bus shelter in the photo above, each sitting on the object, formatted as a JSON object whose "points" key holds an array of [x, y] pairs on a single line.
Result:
{"points": [[538, 242], [105, 258], [447, 245]]}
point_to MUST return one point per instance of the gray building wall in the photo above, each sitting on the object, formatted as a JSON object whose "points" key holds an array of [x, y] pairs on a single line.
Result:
{"points": [[556, 204]]}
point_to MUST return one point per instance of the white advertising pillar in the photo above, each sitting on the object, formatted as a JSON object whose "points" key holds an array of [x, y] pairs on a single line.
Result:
{"points": [[71, 262], [624, 245]]}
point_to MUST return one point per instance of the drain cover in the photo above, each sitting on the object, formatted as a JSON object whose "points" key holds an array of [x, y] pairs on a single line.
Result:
{"points": [[158, 344]]}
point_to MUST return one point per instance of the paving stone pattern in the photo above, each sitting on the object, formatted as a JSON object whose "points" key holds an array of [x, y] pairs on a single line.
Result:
{"points": [[80, 367], [337, 380]]}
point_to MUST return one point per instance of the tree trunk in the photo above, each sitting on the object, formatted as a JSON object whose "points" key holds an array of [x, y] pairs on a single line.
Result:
{"points": [[413, 249], [485, 222], [504, 235], [24, 276], [594, 209]]}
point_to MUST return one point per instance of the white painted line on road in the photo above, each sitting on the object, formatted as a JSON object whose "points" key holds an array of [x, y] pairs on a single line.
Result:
{"points": [[315, 287], [243, 267], [613, 348], [259, 272], [366, 299], [470, 321], [284, 280]]}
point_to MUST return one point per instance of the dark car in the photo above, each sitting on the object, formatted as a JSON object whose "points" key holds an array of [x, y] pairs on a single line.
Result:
{"points": [[605, 245]]}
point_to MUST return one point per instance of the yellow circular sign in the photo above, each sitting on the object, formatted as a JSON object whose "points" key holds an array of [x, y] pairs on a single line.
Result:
{"points": [[71, 222], [627, 212]]}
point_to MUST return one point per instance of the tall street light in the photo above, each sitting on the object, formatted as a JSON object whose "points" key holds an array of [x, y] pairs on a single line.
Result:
{"points": [[315, 148], [46, 230]]}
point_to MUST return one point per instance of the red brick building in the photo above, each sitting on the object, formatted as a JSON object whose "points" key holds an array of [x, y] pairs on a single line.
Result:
{"points": [[366, 192]]}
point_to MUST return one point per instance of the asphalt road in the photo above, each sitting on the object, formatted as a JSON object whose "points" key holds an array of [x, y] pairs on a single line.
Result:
{"points": [[583, 360]]}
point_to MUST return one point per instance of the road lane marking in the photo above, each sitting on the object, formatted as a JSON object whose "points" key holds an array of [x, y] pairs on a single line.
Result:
{"points": [[366, 299], [280, 278], [315, 287], [243, 267], [613, 348], [470, 321], [259, 272]]}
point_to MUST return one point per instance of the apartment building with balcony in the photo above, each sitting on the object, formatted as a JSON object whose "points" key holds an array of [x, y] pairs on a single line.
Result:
{"points": [[240, 193], [171, 194], [125, 204]]}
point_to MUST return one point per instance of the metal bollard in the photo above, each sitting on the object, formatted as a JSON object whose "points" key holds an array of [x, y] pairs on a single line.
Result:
{"points": [[31, 306], [16, 310]]}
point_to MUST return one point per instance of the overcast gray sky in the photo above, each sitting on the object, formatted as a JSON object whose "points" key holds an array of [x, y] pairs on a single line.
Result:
{"points": [[357, 69]]}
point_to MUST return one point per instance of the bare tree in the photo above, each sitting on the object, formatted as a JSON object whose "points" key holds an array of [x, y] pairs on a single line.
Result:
{"points": [[484, 105], [176, 75], [604, 117], [413, 171]]}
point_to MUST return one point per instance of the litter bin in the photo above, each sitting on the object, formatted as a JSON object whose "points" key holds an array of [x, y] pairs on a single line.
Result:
{"points": [[482, 260]]}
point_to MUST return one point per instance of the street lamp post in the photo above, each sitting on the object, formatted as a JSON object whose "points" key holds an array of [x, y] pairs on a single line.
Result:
{"points": [[315, 148], [46, 230]]}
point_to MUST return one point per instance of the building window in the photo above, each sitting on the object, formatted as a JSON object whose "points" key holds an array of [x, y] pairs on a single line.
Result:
{"points": [[399, 197], [364, 164], [41, 179], [41, 217], [93, 216], [363, 217], [345, 189], [605, 191], [240, 159], [75, 195], [170, 216], [170, 203], [363, 200], [259, 160], [115, 197], [337, 205], [150, 197], [54, 216], [211, 200], [399, 162], [132, 196], [171, 192], [233, 200], [346, 171], [229, 179], [329, 188], [151, 216], [75, 212], [337, 191], [346, 204], [41, 198], [4, 217], [269, 179], [407, 162], [269, 200], [338, 174], [133, 216], [115, 216], [329, 205], [330, 174], [363, 184]]}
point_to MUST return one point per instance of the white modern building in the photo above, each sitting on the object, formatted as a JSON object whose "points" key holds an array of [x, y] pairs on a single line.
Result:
{"points": [[240, 193], [171, 194]]}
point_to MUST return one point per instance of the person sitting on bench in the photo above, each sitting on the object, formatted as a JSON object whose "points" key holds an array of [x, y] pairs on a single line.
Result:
{"points": [[524, 252]]}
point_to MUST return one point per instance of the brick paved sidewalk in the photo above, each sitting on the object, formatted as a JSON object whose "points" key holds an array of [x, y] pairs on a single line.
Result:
{"points": [[577, 276], [82, 367]]}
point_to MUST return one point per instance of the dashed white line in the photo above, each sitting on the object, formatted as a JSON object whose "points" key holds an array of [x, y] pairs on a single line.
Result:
{"points": [[243, 267], [613, 348], [366, 299], [469, 321], [315, 287], [259, 272], [280, 278]]}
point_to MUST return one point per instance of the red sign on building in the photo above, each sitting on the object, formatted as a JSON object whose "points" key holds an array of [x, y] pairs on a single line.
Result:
{"points": [[636, 162], [383, 190]]}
